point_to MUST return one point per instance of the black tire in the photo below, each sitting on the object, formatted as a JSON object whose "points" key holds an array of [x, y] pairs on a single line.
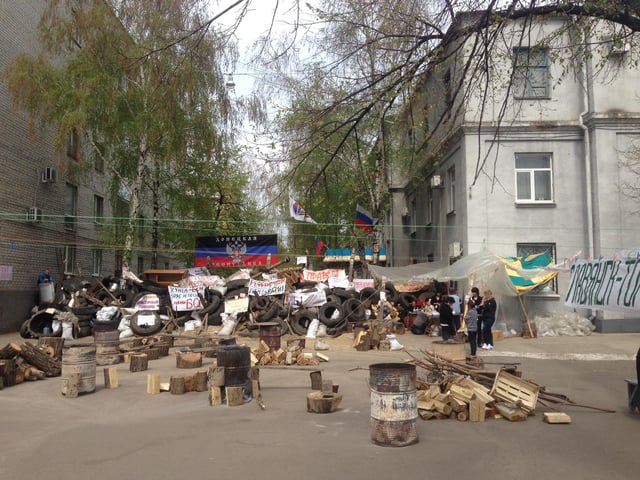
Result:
{"points": [[148, 327], [258, 303], [154, 287], [77, 311], [24, 329], [237, 284], [327, 311], [215, 319], [85, 331], [338, 328], [301, 321], [213, 306], [343, 293], [369, 294], [333, 298], [354, 310], [405, 299], [269, 313], [124, 297]]}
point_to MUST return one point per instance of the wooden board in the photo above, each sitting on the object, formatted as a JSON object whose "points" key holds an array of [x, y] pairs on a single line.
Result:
{"points": [[556, 417]]}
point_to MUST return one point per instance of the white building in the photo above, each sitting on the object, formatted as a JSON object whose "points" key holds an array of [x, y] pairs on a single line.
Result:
{"points": [[540, 163]]}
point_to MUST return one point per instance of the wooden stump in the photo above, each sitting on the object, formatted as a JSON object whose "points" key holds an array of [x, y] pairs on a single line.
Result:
{"points": [[180, 384], [8, 372], [176, 385], [110, 377], [152, 353], [319, 403], [215, 396], [188, 360], [9, 351], [234, 396], [216, 376], [139, 362], [153, 384], [163, 349]]}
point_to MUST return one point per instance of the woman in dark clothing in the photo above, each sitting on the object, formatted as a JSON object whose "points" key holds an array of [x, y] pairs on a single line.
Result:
{"points": [[477, 299], [446, 318], [487, 309]]}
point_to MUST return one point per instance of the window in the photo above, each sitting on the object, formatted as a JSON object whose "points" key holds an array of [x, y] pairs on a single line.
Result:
{"points": [[526, 249], [531, 74], [69, 259], [451, 190], [429, 213], [97, 262], [533, 177], [72, 145], [70, 206], [98, 209]]}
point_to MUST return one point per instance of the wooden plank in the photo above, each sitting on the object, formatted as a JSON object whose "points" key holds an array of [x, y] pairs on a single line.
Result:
{"points": [[215, 395], [110, 377], [234, 396], [476, 410], [556, 417], [153, 383]]}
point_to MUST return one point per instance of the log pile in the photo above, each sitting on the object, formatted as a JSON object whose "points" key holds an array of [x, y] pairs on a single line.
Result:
{"points": [[292, 354], [467, 391], [28, 362]]}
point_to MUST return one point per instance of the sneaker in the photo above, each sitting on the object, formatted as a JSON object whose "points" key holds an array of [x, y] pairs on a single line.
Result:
{"points": [[484, 346], [489, 347]]}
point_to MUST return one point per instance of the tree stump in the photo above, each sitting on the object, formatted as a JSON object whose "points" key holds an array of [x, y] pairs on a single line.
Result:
{"points": [[163, 349], [215, 396], [234, 396], [110, 377], [139, 362], [188, 360], [153, 353], [176, 385], [216, 376], [319, 403], [197, 382], [8, 372]]}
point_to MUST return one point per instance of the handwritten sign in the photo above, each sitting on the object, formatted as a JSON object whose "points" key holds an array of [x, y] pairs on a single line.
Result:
{"points": [[263, 288], [322, 275], [605, 285], [184, 299], [236, 305], [201, 281], [150, 302], [361, 283]]}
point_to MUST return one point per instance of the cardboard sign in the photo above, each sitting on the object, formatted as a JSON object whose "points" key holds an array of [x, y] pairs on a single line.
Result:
{"points": [[322, 275], [361, 283], [184, 299], [263, 288], [150, 301], [236, 305]]}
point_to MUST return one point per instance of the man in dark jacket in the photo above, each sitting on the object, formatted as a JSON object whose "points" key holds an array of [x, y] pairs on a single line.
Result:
{"points": [[446, 318]]}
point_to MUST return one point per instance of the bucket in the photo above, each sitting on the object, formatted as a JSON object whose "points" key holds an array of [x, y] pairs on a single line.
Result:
{"points": [[236, 361], [270, 334], [47, 292], [80, 358], [394, 406], [107, 342]]}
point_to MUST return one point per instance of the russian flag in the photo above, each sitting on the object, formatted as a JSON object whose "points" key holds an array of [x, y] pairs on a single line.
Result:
{"points": [[364, 220]]}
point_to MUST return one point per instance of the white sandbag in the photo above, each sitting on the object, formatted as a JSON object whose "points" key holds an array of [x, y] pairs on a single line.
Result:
{"points": [[395, 344], [229, 322], [312, 331]]}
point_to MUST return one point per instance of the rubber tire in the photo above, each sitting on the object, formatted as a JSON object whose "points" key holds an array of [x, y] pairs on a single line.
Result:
{"points": [[145, 330], [326, 312], [301, 321], [154, 287], [214, 304], [24, 329], [78, 311], [354, 310]]}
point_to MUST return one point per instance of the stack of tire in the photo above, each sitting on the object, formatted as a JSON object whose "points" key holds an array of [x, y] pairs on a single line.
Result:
{"points": [[40, 324]]}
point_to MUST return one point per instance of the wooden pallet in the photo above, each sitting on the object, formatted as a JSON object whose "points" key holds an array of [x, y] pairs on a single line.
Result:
{"points": [[513, 389]]}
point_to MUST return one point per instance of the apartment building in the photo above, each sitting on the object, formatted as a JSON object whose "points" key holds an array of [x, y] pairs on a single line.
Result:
{"points": [[535, 153]]}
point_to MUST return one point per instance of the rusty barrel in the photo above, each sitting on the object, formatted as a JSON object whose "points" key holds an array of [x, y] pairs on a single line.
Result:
{"points": [[107, 341], [236, 360], [80, 358], [394, 406], [270, 333]]}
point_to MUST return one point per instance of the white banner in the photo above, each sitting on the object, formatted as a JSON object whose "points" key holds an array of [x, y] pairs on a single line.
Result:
{"points": [[322, 275], [605, 285], [275, 287], [184, 299], [236, 305], [360, 283]]}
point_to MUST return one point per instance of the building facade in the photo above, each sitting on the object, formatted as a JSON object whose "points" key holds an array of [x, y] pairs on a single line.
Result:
{"points": [[533, 154]]}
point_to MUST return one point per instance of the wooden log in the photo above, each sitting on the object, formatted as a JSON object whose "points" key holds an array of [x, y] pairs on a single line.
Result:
{"points": [[163, 349], [139, 362], [196, 382], [215, 396], [56, 344], [316, 380], [176, 385], [110, 377], [511, 412], [442, 407], [216, 376], [188, 360], [10, 350], [28, 372], [152, 353], [556, 417], [255, 389], [319, 403], [153, 383], [477, 410], [457, 405], [8, 372], [71, 384], [234, 396], [462, 416], [52, 367]]}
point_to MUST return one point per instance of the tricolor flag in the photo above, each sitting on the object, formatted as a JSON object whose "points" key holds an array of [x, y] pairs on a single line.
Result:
{"points": [[364, 220], [298, 213]]}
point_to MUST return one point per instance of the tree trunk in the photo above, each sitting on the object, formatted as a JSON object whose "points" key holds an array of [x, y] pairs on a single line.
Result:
{"points": [[52, 367]]}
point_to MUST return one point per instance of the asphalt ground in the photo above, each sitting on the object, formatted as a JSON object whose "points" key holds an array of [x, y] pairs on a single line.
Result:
{"points": [[125, 433]]}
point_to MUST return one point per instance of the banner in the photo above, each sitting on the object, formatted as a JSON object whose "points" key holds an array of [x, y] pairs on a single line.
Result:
{"points": [[184, 299], [605, 285], [237, 251], [322, 275], [364, 220], [275, 287], [297, 212]]}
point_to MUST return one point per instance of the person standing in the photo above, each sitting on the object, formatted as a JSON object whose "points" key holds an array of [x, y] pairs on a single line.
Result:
{"points": [[471, 319], [477, 300], [487, 309], [45, 277], [446, 318]]}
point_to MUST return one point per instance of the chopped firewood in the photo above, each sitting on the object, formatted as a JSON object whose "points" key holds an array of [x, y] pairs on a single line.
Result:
{"points": [[153, 383], [139, 362], [10, 350], [188, 360], [511, 411], [52, 367], [322, 357], [556, 417], [234, 396], [477, 410], [461, 393], [110, 377]]}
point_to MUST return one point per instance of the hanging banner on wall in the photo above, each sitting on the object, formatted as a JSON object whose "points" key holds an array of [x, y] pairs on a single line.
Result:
{"points": [[605, 285], [237, 251]]}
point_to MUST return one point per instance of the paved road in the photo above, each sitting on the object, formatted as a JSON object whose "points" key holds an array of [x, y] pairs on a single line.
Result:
{"points": [[126, 433]]}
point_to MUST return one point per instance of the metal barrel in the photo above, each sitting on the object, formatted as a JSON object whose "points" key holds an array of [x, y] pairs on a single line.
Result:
{"points": [[80, 358], [107, 341], [236, 360], [394, 406], [270, 333]]}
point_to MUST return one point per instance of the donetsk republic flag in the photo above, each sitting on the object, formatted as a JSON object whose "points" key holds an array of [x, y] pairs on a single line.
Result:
{"points": [[236, 251]]}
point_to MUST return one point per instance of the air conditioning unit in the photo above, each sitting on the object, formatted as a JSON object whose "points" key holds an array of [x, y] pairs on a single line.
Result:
{"points": [[435, 181], [34, 215], [49, 175]]}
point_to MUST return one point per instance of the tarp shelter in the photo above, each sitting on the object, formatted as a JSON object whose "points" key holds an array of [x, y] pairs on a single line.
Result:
{"points": [[507, 277]]}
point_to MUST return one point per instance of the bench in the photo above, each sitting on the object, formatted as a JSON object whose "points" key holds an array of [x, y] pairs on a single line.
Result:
{"points": [[634, 395]]}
